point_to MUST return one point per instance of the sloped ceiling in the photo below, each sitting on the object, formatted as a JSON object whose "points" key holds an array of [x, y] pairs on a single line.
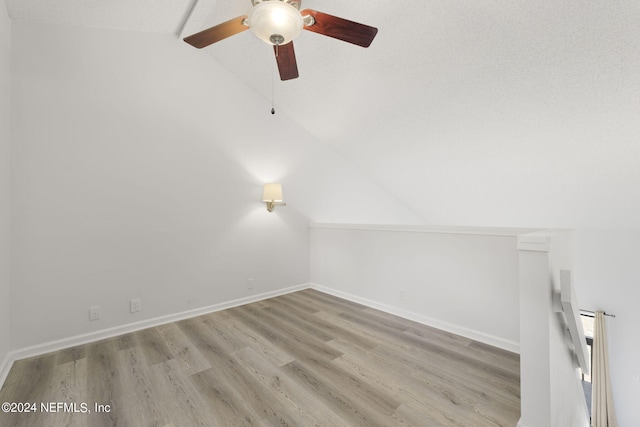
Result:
{"points": [[496, 113], [158, 16]]}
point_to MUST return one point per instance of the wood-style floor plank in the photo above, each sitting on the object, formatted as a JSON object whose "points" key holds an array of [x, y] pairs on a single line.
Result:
{"points": [[295, 398], [182, 349], [431, 398], [302, 359], [322, 329]]}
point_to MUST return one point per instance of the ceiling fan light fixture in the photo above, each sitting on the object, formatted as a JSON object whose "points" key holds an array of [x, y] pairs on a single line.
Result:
{"points": [[275, 22]]}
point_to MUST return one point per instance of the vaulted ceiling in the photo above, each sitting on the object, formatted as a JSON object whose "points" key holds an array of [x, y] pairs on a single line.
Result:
{"points": [[493, 112]]}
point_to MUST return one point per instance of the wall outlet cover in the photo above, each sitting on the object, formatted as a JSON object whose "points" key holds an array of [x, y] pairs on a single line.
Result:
{"points": [[135, 305]]}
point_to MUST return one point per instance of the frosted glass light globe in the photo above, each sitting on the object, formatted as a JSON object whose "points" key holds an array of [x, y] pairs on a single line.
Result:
{"points": [[275, 22]]}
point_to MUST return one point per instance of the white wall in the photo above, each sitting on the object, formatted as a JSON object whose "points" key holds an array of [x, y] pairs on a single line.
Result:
{"points": [[138, 167], [464, 283], [5, 144], [607, 277], [120, 196]]}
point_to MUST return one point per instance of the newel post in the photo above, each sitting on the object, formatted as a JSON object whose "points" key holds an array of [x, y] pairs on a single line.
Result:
{"points": [[535, 303]]}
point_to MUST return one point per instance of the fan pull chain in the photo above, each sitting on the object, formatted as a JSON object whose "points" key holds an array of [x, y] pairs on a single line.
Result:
{"points": [[273, 87]]}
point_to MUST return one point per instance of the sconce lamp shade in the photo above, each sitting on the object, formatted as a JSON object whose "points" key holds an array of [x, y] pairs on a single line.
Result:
{"points": [[272, 196], [272, 193]]}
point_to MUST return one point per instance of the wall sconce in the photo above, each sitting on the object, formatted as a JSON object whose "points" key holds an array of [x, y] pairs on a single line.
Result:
{"points": [[272, 196]]}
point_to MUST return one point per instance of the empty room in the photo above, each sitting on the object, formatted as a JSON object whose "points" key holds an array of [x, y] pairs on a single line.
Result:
{"points": [[319, 213]]}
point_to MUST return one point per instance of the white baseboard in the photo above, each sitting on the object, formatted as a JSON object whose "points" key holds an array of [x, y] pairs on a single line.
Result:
{"points": [[63, 343], [50, 346], [520, 423], [492, 340]]}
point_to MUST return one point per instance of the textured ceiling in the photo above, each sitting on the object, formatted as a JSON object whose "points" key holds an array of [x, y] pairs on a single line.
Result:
{"points": [[157, 16], [473, 112], [492, 112]]}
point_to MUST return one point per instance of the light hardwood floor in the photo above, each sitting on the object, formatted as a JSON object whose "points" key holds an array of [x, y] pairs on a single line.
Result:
{"points": [[302, 359]]}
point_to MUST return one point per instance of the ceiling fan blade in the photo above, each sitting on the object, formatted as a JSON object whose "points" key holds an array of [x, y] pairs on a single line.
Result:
{"points": [[217, 33], [339, 28], [286, 59]]}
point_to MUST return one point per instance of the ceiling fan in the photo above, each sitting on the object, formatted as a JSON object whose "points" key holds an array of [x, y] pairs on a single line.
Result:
{"points": [[278, 22]]}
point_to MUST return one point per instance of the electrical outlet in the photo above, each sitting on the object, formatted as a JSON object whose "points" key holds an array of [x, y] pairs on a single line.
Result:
{"points": [[136, 305], [94, 312], [249, 283]]}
